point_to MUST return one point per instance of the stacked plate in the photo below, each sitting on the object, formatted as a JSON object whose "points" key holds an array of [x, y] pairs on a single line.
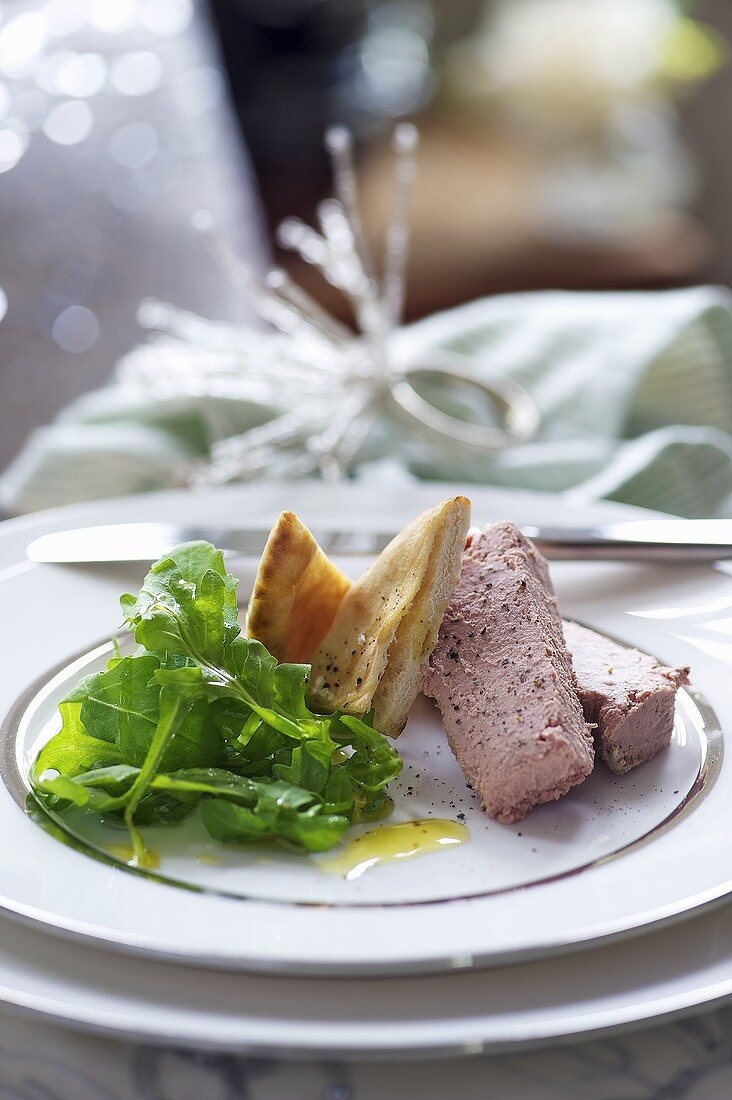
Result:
{"points": [[595, 912]]}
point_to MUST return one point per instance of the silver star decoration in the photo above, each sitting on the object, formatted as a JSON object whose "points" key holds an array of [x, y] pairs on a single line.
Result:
{"points": [[326, 384]]}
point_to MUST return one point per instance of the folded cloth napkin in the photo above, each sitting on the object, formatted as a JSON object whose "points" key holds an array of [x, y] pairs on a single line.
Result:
{"points": [[634, 391]]}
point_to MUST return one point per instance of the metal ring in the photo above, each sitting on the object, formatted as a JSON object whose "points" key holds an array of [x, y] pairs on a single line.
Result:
{"points": [[520, 417]]}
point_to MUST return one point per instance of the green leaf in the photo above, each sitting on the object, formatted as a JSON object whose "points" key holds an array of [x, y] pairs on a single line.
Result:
{"points": [[187, 602], [338, 794], [232, 824], [201, 714], [195, 743], [188, 682], [197, 740], [309, 767], [121, 705], [164, 807], [98, 789], [374, 761], [235, 722], [307, 829], [261, 743], [114, 778], [213, 781], [372, 806], [195, 560], [290, 690], [254, 669], [73, 750], [65, 788], [172, 713]]}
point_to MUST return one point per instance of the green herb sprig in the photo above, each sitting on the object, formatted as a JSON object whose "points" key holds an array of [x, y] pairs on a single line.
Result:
{"points": [[203, 715]]}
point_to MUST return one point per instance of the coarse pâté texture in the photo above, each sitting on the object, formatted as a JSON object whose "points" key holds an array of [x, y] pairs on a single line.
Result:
{"points": [[502, 676], [626, 694]]}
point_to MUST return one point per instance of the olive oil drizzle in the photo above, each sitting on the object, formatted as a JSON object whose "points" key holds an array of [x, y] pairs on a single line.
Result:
{"points": [[125, 852], [389, 843]]}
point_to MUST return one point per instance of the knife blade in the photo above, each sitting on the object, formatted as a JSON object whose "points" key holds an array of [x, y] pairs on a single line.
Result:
{"points": [[672, 540], [131, 542]]}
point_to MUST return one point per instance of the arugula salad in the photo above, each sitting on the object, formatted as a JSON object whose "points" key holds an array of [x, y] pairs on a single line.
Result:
{"points": [[200, 717]]}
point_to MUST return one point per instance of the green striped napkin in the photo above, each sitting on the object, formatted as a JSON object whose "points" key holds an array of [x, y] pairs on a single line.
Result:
{"points": [[634, 389]]}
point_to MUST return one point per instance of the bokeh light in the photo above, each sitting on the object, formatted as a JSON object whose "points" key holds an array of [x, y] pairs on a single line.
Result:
{"points": [[76, 329], [79, 74], [69, 122], [112, 16], [137, 73], [13, 144], [198, 90], [22, 38], [166, 17], [134, 145]]}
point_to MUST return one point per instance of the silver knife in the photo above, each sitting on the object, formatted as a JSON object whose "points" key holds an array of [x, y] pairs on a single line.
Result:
{"points": [[663, 540]]}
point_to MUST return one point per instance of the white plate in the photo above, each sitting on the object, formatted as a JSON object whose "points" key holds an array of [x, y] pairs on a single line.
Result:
{"points": [[508, 893], [586, 993]]}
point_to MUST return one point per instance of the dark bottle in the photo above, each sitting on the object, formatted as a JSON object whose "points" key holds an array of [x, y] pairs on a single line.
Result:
{"points": [[297, 66]]}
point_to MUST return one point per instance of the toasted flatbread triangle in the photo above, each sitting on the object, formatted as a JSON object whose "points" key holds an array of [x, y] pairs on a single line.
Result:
{"points": [[296, 594], [387, 623]]}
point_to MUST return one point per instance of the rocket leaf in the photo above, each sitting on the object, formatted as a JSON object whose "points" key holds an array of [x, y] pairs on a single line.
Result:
{"points": [[201, 715]]}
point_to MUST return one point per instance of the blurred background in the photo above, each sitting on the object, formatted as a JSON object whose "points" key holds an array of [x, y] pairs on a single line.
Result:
{"points": [[565, 143]]}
